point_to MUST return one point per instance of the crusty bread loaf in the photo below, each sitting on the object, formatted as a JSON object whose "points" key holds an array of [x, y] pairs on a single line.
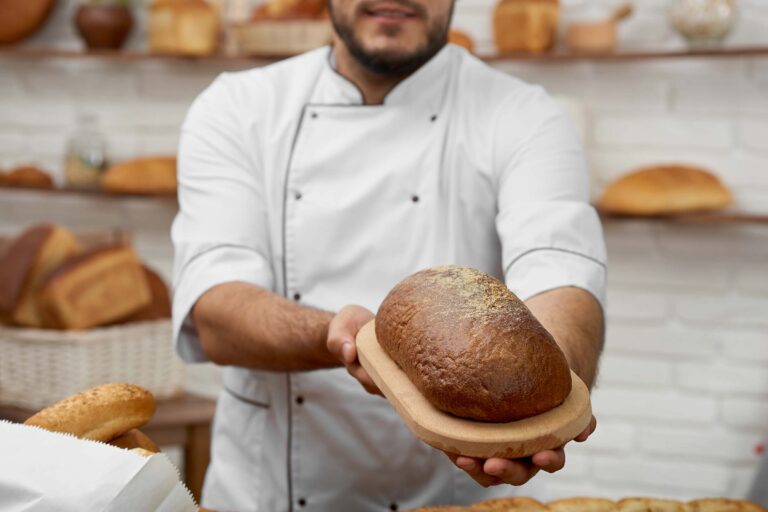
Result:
{"points": [[723, 505], [665, 190], [155, 175], [160, 303], [28, 261], [471, 346], [461, 38], [517, 504], [525, 25], [95, 288], [650, 505], [582, 505], [142, 452], [101, 413], [28, 176], [135, 438], [183, 27]]}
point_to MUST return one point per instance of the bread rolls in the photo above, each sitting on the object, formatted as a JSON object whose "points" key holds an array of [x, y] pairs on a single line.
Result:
{"points": [[471, 347], [101, 413], [582, 505], [665, 190], [28, 176], [518, 504], [153, 175]]}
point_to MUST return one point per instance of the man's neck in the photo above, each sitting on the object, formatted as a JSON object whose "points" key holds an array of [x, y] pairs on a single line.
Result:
{"points": [[373, 86]]}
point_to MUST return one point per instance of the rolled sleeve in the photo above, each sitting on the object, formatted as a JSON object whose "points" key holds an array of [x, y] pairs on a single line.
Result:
{"points": [[220, 233], [551, 236]]}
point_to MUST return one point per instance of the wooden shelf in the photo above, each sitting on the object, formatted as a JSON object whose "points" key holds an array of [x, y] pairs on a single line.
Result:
{"points": [[13, 52], [696, 218], [91, 194]]}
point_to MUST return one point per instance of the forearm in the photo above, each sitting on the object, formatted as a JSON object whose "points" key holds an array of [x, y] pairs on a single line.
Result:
{"points": [[243, 325], [575, 319]]}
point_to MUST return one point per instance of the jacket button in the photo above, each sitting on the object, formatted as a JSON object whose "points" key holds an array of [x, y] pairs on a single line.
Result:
{"points": [[313, 115], [415, 198], [297, 296], [433, 118], [302, 502], [299, 399], [297, 195], [393, 506]]}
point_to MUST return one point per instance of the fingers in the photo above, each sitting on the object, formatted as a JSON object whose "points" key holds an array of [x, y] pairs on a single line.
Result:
{"points": [[474, 468], [587, 431], [510, 471], [550, 460], [362, 376], [342, 332]]}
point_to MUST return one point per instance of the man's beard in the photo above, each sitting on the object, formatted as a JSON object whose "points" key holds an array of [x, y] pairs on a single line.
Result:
{"points": [[393, 63]]}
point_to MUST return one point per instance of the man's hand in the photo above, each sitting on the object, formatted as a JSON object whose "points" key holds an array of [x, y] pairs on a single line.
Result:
{"points": [[342, 332], [497, 471]]}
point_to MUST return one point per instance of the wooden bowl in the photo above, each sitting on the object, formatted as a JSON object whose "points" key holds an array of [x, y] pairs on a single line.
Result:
{"points": [[21, 18]]}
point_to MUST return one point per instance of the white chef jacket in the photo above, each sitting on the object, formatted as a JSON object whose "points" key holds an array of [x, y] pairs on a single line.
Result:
{"points": [[287, 181]]}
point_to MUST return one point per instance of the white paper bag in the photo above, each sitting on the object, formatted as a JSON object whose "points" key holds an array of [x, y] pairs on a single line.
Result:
{"points": [[45, 471]]}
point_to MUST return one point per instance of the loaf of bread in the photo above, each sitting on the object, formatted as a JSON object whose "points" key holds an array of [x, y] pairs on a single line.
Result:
{"points": [[153, 175], [525, 25], [665, 190], [289, 10], [183, 27], [94, 288], [650, 505], [600, 504], [461, 38], [160, 299], [471, 346], [518, 504], [26, 263], [582, 505], [101, 413], [28, 176]]}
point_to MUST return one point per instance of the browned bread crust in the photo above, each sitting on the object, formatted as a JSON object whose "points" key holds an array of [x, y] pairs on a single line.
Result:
{"points": [[152, 175], [517, 504], [28, 176], [665, 190], [160, 305], [525, 25], [471, 346], [26, 264], [650, 505], [723, 505], [582, 505], [101, 413], [135, 438], [95, 288]]}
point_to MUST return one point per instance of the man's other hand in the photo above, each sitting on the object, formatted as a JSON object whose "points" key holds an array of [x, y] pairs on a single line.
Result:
{"points": [[342, 332], [496, 471]]}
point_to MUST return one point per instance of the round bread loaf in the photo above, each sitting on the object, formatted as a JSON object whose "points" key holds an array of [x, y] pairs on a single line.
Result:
{"points": [[471, 346], [101, 413]]}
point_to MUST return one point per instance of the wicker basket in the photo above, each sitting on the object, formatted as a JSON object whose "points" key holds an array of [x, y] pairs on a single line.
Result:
{"points": [[39, 367], [280, 38]]}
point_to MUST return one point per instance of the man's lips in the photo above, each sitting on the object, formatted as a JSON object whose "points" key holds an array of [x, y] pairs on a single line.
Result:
{"points": [[390, 11]]}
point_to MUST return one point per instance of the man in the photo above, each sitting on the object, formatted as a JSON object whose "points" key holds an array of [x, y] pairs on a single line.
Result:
{"points": [[322, 181]]}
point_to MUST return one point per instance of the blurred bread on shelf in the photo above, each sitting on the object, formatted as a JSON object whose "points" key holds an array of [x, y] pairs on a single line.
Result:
{"points": [[152, 175], [289, 9], [97, 287], [525, 25], [183, 27], [25, 264], [665, 190], [27, 176], [461, 38], [21, 18], [284, 27]]}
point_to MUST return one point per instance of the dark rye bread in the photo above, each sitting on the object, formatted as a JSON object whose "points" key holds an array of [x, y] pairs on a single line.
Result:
{"points": [[471, 346]]}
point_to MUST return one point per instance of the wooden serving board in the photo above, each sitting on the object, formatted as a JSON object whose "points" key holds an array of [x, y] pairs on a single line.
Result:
{"points": [[452, 434]]}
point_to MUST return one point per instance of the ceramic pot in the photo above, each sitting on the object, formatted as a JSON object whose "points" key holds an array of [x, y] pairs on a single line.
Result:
{"points": [[704, 23], [104, 26]]}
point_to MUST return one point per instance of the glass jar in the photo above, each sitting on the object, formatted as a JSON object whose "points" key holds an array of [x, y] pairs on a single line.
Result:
{"points": [[703, 23], [86, 154]]}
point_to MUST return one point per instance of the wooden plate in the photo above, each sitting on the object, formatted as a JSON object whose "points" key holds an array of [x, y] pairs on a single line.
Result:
{"points": [[466, 437]]}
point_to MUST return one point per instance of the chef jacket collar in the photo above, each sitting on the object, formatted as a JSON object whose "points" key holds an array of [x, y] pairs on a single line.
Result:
{"points": [[425, 86]]}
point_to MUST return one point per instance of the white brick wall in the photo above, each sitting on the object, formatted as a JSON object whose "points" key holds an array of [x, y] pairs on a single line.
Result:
{"points": [[682, 397]]}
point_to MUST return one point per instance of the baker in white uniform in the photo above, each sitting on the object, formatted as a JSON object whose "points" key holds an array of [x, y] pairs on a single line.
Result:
{"points": [[323, 180]]}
